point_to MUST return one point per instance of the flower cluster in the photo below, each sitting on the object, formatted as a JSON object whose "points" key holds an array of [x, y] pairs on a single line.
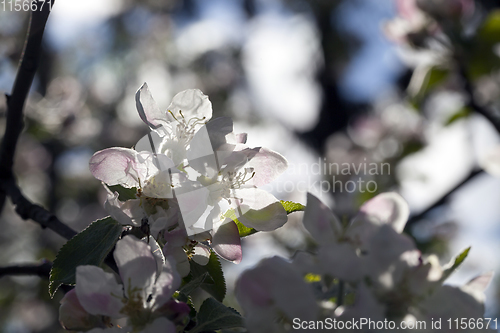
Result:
{"points": [[192, 180], [365, 269], [189, 175], [141, 303]]}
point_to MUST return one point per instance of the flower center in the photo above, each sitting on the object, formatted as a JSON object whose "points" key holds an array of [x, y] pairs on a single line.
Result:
{"points": [[186, 128]]}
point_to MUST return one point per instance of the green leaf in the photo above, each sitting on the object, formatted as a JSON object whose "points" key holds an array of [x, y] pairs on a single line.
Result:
{"points": [[460, 114], [89, 247], [214, 315], [195, 283], [215, 283], [124, 194], [489, 32], [291, 206], [453, 266], [424, 80], [242, 229], [480, 52]]}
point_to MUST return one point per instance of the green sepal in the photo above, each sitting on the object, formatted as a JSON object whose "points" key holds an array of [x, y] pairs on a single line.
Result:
{"points": [[452, 267]]}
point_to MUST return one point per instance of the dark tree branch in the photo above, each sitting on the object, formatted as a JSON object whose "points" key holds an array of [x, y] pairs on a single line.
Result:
{"points": [[28, 210], [476, 107], [472, 102], [22, 84], [444, 198], [42, 269], [14, 126]]}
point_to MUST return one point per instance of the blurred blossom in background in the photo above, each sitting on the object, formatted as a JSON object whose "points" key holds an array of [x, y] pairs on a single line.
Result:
{"points": [[317, 81]]}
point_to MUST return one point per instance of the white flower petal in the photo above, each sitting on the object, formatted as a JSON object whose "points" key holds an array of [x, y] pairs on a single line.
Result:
{"points": [[320, 221], [259, 209], [181, 260], [209, 147], [129, 212], [152, 144], [226, 242], [491, 162], [167, 283], [162, 325], [386, 208], [118, 166], [190, 104], [275, 284], [149, 111], [268, 165], [73, 316], [201, 254], [136, 264], [98, 291]]}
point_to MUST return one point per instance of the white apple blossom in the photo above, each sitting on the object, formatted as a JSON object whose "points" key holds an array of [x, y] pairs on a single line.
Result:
{"points": [[273, 294], [143, 297], [369, 259], [232, 172], [193, 178], [174, 128]]}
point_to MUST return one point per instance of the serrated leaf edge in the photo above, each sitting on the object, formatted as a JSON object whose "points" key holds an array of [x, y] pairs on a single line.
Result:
{"points": [[51, 282]]}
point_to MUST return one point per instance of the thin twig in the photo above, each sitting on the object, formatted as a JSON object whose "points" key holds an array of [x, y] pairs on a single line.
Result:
{"points": [[444, 198], [28, 210], [14, 126], [42, 269], [476, 107]]}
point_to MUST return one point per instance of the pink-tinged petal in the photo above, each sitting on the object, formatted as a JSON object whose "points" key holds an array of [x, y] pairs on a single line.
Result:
{"points": [[149, 111], [453, 302], [276, 285], [239, 158], [226, 242], [201, 254], [480, 283], [73, 316], [176, 238], [259, 209], [174, 310], [136, 264], [118, 166], [98, 291], [386, 208], [241, 137], [190, 104], [320, 221], [162, 325], [167, 283], [268, 165]]}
